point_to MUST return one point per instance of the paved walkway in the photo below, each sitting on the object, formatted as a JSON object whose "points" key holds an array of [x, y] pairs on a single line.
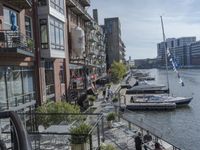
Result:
{"points": [[121, 134]]}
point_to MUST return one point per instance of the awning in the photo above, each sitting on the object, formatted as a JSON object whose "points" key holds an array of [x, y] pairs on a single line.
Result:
{"points": [[74, 66]]}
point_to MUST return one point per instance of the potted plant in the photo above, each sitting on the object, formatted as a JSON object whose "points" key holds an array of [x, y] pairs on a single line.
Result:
{"points": [[108, 147], [115, 99], [91, 99], [78, 140], [110, 117]]}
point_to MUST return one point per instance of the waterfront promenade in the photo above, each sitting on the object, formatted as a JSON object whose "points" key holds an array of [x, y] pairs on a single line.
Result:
{"points": [[123, 132]]}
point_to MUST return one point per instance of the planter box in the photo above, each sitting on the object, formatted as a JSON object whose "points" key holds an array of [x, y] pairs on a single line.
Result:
{"points": [[83, 146]]}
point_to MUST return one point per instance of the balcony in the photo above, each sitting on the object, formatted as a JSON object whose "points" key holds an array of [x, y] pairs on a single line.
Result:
{"points": [[15, 43], [85, 2], [22, 4], [77, 8]]}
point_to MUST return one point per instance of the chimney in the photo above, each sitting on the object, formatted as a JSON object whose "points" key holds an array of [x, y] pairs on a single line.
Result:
{"points": [[95, 15]]}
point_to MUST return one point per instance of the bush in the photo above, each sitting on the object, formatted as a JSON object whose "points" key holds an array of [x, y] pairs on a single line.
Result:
{"points": [[115, 99], [108, 147], [91, 98], [118, 70], [58, 107], [111, 116], [76, 138]]}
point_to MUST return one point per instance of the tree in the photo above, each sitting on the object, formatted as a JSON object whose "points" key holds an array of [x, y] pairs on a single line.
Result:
{"points": [[118, 70]]}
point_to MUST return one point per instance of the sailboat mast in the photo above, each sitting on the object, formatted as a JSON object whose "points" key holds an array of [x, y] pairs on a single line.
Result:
{"points": [[165, 48]]}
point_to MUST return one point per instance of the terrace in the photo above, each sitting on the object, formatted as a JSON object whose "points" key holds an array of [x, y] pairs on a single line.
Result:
{"points": [[14, 43]]}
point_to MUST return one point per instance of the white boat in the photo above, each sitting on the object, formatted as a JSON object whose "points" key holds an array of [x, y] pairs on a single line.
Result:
{"points": [[145, 88], [163, 99]]}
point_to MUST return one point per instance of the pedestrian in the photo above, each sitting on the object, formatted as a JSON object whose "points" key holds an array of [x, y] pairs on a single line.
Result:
{"points": [[147, 138], [108, 93], [157, 146], [138, 142], [104, 94]]}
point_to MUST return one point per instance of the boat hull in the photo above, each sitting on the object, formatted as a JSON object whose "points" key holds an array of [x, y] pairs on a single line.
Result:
{"points": [[161, 91]]}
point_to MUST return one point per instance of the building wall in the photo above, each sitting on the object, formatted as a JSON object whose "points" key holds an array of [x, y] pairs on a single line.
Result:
{"points": [[113, 38]]}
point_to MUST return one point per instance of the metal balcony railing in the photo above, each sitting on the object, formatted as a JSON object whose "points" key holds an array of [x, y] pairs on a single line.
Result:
{"points": [[22, 4], [85, 2], [16, 40], [81, 10]]}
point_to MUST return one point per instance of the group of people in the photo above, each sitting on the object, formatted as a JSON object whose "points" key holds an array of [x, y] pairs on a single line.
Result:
{"points": [[147, 138], [107, 94]]}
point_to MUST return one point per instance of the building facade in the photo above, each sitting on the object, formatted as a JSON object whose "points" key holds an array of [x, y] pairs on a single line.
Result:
{"points": [[17, 56], [195, 53], [179, 49], [48, 49], [115, 48]]}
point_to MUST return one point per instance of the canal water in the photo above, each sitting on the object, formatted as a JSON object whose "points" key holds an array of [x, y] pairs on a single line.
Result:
{"points": [[181, 126]]}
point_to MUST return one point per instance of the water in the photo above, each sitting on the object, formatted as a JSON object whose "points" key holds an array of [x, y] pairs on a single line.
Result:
{"points": [[181, 126]]}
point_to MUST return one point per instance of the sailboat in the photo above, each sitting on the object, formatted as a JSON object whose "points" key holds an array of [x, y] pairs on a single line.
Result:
{"points": [[171, 99], [159, 101]]}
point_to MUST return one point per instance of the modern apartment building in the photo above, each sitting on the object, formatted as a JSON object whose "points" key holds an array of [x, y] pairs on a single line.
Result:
{"points": [[115, 48], [195, 53], [17, 56], [179, 50]]}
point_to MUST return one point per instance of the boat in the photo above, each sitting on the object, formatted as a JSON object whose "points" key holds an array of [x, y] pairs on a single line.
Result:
{"points": [[146, 88], [179, 101], [151, 106]]}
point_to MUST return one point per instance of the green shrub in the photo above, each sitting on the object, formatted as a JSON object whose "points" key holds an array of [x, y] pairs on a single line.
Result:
{"points": [[111, 116], [76, 137], [108, 147], [58, 107], [115, 99], [91, 98]]}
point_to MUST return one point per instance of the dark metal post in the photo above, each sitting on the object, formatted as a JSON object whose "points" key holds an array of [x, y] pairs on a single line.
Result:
{"points": [[98, 135], [102, 125], [90, 141]]}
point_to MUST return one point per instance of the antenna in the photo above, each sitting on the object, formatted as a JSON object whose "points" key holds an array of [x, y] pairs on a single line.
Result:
{"points": [[165, 48]]}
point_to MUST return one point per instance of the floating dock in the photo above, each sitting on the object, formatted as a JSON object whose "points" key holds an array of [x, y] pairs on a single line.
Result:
{"points": [[149, 106]]}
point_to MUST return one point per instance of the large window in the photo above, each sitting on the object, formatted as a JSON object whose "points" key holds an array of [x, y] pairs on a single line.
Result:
{"points": [[28, 26], [58, 5], [57, 34], [10, 18], [16, 86], [44, 33], [3, 104], [42, 2]]}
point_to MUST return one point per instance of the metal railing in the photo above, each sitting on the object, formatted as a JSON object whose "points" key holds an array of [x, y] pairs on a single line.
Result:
{"points": [[17, 100], [50, 89], [52, 130], [81, 8], [15, 39]]}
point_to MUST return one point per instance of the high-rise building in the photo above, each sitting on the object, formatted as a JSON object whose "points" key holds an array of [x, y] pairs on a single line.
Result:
{"points": [[115, 47], [178, 48]]}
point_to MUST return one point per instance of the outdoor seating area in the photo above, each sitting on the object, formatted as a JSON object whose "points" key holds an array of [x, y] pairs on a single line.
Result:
{"points": [[59, 131]]}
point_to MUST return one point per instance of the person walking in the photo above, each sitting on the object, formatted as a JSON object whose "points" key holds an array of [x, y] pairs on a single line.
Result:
{"points": [[104, 94], [157, 146], [138, 142]]}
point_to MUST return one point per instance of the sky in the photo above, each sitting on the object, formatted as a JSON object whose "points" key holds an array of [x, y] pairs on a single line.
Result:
{"points": [[140, 21]]}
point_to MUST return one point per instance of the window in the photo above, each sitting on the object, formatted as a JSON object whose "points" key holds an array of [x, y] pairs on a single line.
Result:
{"points": [[57, 34], [62, 74], [58, 5], [10, 19], [42, 2], [28, 26], [43, 33]]}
